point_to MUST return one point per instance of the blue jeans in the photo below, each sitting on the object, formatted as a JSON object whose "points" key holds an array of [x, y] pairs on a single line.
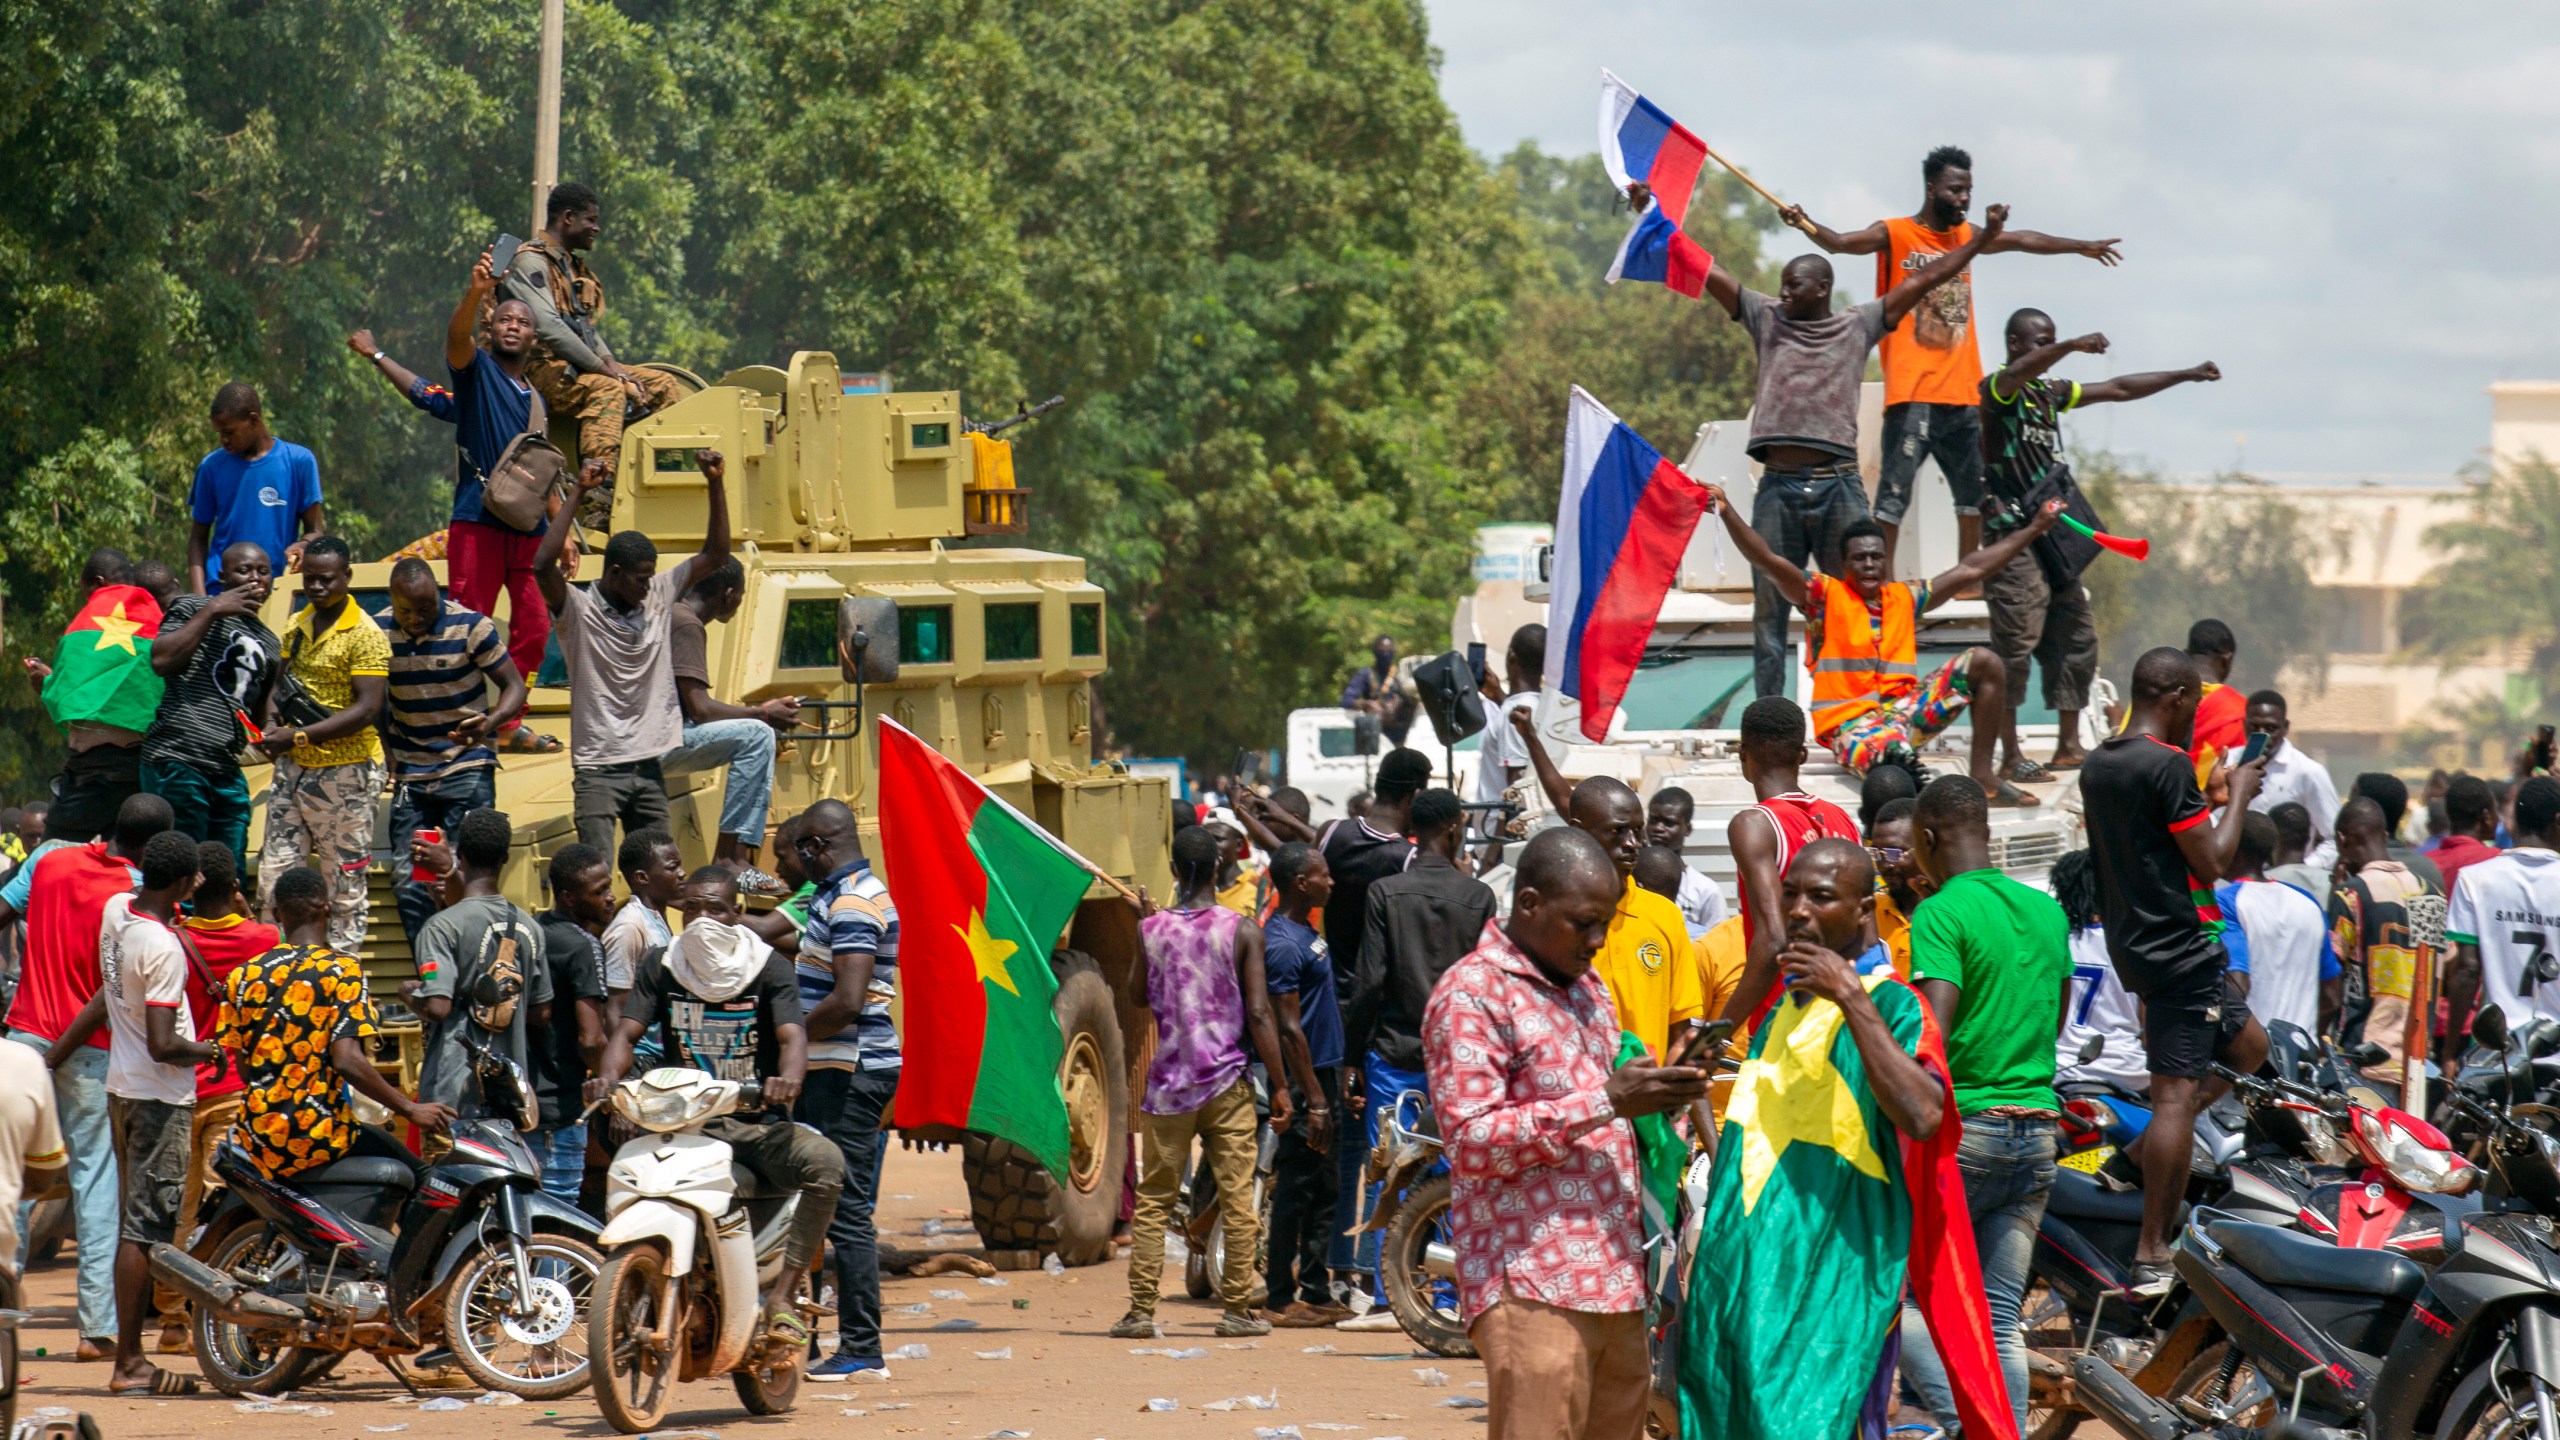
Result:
{"points": [[563, 1153], [1380, 1084], [2008, 1164], [430, 805], [851, 1107], [746, 747], [80, 1099], [209, 807], [1801, 514]]}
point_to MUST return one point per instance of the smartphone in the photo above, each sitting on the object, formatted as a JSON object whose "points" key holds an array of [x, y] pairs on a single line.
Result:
{"points": [[427, 835], [1475, 661], [2542, 747], [2256, 747], [1697, 1042], [502, 253]]}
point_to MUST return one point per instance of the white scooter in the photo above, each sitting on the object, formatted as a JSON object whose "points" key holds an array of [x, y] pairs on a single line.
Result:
{"points": [[690, 1241]]}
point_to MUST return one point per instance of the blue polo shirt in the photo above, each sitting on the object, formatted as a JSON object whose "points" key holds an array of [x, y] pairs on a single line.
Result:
{"points": [[488, 411], [1294, 962], [260, 500]]}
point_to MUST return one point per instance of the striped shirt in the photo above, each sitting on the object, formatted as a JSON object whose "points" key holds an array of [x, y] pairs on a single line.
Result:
{"points": [[851, 915], [435, 681]]}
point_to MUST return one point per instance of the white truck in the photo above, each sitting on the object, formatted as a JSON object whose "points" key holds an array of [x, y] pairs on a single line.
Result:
{"points": [[1678, 721]]}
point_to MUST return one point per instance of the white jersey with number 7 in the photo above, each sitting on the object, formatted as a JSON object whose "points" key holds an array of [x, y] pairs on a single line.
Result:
{"points": [[2509, 907]]}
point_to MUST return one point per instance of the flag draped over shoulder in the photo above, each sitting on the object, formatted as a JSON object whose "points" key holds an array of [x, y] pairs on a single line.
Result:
{"points": [[982, 894], [102, 669], [1818, 1210]]}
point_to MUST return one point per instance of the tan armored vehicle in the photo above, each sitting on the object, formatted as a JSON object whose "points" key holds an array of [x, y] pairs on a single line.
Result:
{"points": [[838, 489]]}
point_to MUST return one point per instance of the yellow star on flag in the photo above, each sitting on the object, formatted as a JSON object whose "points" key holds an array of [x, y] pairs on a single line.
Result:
{"points": [[1792, 1093], [117, 632], [987, 951]]}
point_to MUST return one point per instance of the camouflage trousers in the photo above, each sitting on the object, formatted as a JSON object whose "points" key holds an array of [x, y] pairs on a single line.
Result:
{"points": [[598, 402], [322, 816]]}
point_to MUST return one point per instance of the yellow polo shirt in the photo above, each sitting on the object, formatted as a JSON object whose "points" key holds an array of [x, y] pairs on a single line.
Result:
{"points": [[1894, 929], [1648, 967], [327, 664], [1720, 955]]}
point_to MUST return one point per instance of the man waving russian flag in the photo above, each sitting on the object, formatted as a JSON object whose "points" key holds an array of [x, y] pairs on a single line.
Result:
{"points": [[1622, 523]]}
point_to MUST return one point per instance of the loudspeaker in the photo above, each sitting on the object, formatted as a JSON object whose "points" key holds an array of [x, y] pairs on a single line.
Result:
{"points": [[867, 639], [1449, 697]]}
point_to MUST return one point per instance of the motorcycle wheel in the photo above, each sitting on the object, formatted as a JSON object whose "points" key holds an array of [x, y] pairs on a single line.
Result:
{"points": [[2046, 1317], [2479, 1410], [1207, 1260], [633, 1382], [536, 1350], [1424, 1303], [769, 1389], [237, 1360], [9, 1297], [2247, 1401]]}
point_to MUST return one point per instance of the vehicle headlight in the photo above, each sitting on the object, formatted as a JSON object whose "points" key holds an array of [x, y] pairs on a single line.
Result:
{"points": [[2411, 1162], [2320, 1135]]}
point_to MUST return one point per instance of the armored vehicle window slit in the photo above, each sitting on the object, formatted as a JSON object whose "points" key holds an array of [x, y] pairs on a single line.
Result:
{"points": [[924, 634], [808, 636], [1013, 632], [1084, 629]]}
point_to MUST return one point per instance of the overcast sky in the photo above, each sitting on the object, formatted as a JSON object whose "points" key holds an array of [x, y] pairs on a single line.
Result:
{"points": [[2354, 207]]}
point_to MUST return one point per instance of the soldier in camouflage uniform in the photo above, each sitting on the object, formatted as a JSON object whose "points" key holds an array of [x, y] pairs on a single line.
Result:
{"points": [[572, 367]]}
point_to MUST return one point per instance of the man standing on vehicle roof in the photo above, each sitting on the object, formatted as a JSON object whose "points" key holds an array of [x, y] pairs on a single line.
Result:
{"points": [[1862, 643], [1932, 366], [572, 366]]}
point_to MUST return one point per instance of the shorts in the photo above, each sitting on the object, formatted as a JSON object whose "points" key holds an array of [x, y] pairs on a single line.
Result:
{"points": [[154, 1142], [1918, 429], [1898, 728], [2191, 1021]]}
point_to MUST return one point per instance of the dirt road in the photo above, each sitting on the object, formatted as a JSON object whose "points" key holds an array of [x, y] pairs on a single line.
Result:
{"points": [[1064, 1380]]}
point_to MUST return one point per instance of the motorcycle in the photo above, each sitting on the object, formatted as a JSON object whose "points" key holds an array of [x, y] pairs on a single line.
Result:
{"points": [[382, 1252], [1417, 1260], [2367, 1343], [674, 1199]]}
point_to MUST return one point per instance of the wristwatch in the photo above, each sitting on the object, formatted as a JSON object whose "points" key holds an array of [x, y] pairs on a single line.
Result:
{"points": [[301, 739], [381, 355]]}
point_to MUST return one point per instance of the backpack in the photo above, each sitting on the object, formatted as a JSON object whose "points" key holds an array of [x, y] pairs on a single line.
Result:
{"points": [[506, 972], [517, 490]]}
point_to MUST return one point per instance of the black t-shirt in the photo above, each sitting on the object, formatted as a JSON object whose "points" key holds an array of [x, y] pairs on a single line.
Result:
{"points": [[230, 670], [576, 961], [2136, 793], [2020, 434], [732, 1039], [1359, 857]]}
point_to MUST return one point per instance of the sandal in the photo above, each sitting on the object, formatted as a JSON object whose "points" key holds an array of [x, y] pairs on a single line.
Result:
{"points": [[525, 740], [2028, 772], [2010, 797], [2065, 762], [787, 1327], [162, 1382]]}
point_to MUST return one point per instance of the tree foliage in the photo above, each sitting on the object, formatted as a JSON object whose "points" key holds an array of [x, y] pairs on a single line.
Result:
{"points": [[2500, 585], [1310, 339], [2233, 552]]}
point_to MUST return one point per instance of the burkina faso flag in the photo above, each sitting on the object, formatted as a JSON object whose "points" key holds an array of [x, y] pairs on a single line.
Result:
{"points": [[982, 895], [102, 669], [1818, 1212]]}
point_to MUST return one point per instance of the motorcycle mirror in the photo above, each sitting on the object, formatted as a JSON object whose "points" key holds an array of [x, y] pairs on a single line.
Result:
{"points": [[2364, 1054], [2489, 1028], [2092, 1048], [2541, 1037]]}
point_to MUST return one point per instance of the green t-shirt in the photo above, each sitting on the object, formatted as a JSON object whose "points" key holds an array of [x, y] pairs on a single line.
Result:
{"points": [[2008, 948]]}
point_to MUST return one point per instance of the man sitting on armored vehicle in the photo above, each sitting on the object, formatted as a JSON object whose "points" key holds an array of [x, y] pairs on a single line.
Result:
{"points": [[617, 641], [572, 366], [1862, 643], [726, 1003], [717, 733]]}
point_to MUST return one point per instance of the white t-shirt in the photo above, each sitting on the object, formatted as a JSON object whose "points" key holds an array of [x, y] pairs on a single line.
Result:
{"points": [[1502, 749], [2289, 952], [141, 967], [30, 1135], [636, 929], [1701, 901], [2100, 1005], [2509, 907]]}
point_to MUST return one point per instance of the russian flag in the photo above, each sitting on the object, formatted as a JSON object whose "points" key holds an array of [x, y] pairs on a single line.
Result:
{"points": [[1639, 143], [1658, 249], [1622, 523]]}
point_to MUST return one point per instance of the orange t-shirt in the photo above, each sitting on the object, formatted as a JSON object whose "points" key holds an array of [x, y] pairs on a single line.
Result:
{"points": [[1931, 355]]}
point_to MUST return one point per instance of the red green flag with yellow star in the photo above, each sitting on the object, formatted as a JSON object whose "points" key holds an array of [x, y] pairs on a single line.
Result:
{"points": [[982, 894], [102, 669]]}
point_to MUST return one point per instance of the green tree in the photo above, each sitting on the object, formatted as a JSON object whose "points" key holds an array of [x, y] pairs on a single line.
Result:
{"points": [[2233, 551], [2499, 586]]}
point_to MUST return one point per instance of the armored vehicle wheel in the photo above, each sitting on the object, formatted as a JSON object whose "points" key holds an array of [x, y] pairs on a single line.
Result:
{"points": [[1021, 1211]]}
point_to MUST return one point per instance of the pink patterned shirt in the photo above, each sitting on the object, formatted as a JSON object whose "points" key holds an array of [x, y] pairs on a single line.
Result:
{"points": [[1544, 1197]]}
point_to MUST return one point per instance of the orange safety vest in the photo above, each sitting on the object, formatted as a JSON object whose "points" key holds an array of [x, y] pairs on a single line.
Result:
{"points": [[1856, 668]]}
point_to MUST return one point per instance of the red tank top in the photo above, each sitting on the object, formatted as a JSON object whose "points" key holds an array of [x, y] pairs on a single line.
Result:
{"points": [[1800, 820]]}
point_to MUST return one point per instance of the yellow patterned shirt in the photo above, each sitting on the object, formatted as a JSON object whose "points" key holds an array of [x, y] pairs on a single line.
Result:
{"points": [[327, 664], [280, 1014]]}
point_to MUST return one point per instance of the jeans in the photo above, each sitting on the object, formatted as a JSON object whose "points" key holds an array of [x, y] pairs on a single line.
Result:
{"points": [[80, 1098], [1918, 430], [851, 1107], [2008, 1165], [746, 747], [1801, 514], [209, 807], [1381, 1084], [632, 793], [431, 805], [1306, 1191], [563, 1153]]}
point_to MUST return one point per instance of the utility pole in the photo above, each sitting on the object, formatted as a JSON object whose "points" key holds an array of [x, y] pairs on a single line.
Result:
{"points": [[546, 115]]}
